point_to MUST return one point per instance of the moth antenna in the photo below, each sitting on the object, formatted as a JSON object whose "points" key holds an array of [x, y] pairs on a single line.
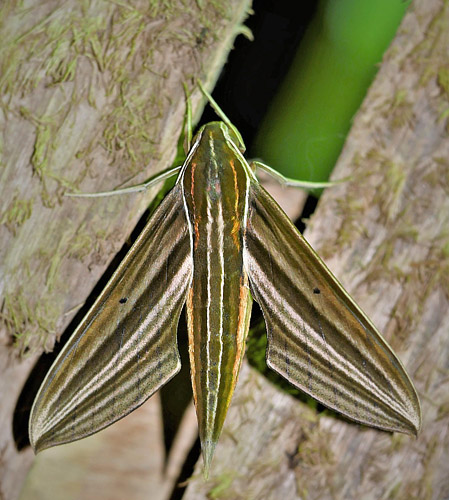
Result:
{"points": [[221, 114], [286, 181], [188, 120]]}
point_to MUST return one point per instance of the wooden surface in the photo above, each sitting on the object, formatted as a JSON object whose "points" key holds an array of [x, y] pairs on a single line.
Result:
{"points": [[385, 235], [91, 97], [126, 460]]}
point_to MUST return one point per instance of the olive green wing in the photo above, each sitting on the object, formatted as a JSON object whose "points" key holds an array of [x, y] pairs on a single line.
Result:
{"points": [[318, 338], [125, 348]]}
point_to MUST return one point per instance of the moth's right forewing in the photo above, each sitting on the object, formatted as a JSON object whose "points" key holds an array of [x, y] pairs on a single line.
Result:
{"points": [[318, 338], [125, 348]]}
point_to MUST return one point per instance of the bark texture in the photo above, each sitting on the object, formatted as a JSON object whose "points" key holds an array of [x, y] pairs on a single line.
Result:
{"points": [[385, 236], [91, 93]]}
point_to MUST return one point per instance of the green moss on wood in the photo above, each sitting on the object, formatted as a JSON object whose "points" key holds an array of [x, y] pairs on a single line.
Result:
{"points": [[16, 213], [312, 449], [81, 245], [443, 80], [32, 322], [223, 484], [400, 110]]}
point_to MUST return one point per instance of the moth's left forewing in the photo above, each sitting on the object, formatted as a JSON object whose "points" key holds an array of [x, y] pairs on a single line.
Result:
{"points": [[318, 338], [125, 348]]}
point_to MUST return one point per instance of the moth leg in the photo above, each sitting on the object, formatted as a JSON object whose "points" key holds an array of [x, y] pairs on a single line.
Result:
{"points": [[286, 181], [161, 176], [184, 143]]}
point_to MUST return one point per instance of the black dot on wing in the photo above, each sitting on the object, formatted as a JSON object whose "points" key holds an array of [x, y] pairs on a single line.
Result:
{"points": [[123, 300], [316, 290]]}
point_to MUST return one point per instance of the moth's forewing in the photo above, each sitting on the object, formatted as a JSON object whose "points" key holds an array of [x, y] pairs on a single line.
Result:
{"points": [[125, 348], [318, 338], [215, 186]]}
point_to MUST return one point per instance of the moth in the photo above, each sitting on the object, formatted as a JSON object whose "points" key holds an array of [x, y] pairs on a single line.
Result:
{"points": [[217, 241]]}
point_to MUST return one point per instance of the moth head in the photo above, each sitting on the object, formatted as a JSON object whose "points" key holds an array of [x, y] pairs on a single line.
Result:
{"points": [[220, 131]]}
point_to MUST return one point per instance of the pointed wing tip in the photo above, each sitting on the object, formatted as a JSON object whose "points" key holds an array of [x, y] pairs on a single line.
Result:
{"points": [[38, 447], [415, 422], [32, 437], [36, 444], [40, 438], [35, 434], [410, 426], [45, 442], [411, 420], [415, 431]]}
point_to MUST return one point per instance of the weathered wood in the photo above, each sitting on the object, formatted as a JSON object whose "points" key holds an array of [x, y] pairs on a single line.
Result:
{"points": [[126, 460], [385, 235], [91, 93]]}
